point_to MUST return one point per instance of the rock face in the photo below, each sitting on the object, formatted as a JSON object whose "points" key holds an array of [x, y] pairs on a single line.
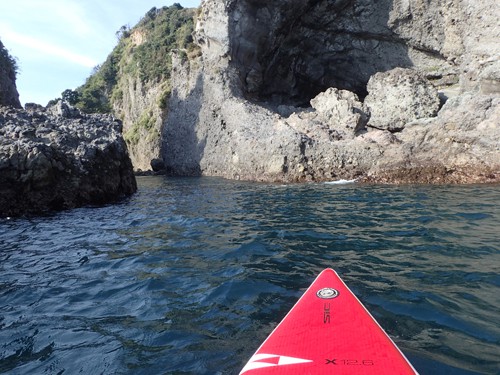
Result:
{"points": [[294, 90], [460, 145], [134, 81], [399, 96], [56, 158], [8, 91], [290, 50], [142, 119]]}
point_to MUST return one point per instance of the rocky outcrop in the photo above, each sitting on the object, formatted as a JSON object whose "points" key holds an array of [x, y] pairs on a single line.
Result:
{"points": [[342, 111], [57, 158], [460, 145], [295, 90], [8, 91]]}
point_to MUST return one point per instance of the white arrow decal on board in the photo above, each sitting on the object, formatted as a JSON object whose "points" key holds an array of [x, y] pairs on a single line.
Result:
{"points": [[270, 360]]}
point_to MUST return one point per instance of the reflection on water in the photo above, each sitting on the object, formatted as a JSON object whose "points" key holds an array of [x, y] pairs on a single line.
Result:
{"points": [[190, 275]]}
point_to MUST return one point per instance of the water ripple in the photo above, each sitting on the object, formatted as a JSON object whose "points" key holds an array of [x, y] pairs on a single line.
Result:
{"points": [[190, 275]]}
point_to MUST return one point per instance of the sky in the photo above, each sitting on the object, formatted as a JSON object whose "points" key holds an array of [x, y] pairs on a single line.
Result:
{"points": [[57, 43]]}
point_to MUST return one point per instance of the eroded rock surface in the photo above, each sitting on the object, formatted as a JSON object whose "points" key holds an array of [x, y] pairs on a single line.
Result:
{"points": [[460, 145], [279, 92], [399, 96], [56, 158]]}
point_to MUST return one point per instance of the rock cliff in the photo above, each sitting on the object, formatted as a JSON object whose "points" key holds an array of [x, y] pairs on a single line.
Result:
{"points": [[142, 116], [293, 90], [57, 158], [134, 82], [8, 90]]}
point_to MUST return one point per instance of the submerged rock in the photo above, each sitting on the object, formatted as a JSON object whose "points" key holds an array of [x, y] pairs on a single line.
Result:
{"points": [[57, 158]]}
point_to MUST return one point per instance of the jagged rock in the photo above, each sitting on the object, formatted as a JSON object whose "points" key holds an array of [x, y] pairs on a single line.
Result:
{"points": [[50, 162], [34, 107], [399, 96], [63, 109]]}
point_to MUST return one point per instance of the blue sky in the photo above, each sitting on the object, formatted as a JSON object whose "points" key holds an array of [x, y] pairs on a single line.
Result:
{"points": [[58, 42]]}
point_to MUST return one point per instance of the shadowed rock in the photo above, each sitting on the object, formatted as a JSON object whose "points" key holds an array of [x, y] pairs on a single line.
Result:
{"points": [[8, 90], [56, 158]]}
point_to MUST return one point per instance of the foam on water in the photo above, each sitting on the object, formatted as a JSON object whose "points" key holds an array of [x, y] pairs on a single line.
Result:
{"points": [[340, 182]]}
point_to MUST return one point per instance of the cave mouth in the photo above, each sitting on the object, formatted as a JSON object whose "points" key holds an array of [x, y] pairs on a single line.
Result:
{"points": [[287, 52]]}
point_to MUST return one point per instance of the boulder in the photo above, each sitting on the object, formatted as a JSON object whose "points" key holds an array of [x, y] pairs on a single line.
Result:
{"points": [[49, 162], [341, 110], [399, 96], [157, 165], [63, 109]]}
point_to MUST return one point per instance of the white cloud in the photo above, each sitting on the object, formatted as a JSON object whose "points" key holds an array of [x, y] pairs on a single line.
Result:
{"points": [[47, 16], [60, 40], [17, 40]]}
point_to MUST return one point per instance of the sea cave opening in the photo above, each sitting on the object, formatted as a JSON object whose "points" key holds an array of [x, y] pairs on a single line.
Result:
{"points": [[287, 52]]}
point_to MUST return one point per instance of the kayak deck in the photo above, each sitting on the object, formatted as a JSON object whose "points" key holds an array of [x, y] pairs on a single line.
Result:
{"points": [[328, 331]]}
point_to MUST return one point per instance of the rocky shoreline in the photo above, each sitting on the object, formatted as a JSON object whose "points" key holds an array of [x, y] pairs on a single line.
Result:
{"points": [[399, 134], [57, 158]]}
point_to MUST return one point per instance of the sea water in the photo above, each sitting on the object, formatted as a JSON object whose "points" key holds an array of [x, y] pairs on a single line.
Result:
{"points": [[189, 275]]}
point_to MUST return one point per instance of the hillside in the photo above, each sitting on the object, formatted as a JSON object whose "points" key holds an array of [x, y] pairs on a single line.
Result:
{"points": [[134, 81]]}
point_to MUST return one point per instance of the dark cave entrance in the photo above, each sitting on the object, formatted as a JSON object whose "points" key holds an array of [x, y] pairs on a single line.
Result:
{"points": [[287, 52]]}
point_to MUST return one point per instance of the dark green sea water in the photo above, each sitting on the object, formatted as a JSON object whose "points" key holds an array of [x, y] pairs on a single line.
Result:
{"points": [[190, 275]]}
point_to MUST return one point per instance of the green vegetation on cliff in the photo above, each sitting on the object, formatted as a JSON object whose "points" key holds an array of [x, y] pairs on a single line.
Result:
{"points": [[142, 54], [7, 62], [8, 74]]}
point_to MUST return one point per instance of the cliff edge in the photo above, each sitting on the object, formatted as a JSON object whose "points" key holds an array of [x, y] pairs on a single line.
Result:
{"points": [[393, 91]]}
